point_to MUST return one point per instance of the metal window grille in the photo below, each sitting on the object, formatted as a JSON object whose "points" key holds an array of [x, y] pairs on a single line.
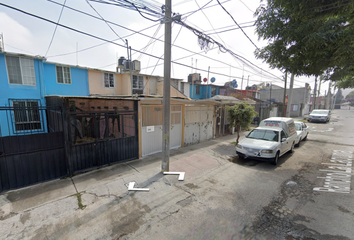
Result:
{"points": [[26, 115], [213, 91], [63, 75], [20, 70], [109, 80], [138, 82], [197, 89]]}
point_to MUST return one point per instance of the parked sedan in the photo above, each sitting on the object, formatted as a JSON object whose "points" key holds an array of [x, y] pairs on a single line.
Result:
{"points": [[319, 115], [302, 131]]}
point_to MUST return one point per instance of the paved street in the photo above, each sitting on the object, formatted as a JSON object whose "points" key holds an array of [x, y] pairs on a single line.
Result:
{"points": [[308, 195]]}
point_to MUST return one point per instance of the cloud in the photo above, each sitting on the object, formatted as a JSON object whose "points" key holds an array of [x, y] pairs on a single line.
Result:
{"points": [[15, 34]]}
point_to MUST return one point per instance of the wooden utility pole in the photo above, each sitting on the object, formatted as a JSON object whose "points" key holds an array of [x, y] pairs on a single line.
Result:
{"points": [[290, 95], [165, 166], [284, 98]]}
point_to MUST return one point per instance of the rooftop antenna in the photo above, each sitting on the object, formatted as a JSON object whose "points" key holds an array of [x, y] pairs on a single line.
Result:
{"points": [[2, 48], [192, 66]]}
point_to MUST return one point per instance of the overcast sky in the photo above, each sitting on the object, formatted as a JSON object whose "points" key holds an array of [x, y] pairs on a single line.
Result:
{"points": [[27, 34]]}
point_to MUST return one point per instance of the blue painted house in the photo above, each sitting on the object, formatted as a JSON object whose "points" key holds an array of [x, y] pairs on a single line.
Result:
{"points": [[199, 91], [24, 82]]}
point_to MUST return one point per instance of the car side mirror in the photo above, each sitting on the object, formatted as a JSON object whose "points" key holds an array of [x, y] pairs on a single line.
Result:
{"points": [[283, 139]]}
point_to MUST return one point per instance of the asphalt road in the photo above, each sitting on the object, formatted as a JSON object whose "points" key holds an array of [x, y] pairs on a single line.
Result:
{"points": [[308, 195]]}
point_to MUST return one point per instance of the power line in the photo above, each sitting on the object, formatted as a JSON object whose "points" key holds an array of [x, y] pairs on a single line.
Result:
{"points": [[104, 21], [246, 6], [237, 24], [99, 38], [55, 29], [139, 32], [84, 33]]}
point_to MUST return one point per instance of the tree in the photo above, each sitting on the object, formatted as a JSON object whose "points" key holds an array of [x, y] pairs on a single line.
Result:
{"points": [[350, 98], [240, 116], [308, 37]]}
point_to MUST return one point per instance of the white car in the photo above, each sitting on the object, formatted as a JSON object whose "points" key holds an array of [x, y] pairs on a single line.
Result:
{"points": [[319, 115], [266, 143], [302, 131]]}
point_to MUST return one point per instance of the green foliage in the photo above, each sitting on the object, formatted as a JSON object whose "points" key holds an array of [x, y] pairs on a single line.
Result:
{"points": [[240, 116], [350, 95], [308, 37], [350, 98]]}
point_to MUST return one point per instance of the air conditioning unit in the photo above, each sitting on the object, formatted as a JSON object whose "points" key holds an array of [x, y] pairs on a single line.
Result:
{"points": [[136, 65], [129, 65]]}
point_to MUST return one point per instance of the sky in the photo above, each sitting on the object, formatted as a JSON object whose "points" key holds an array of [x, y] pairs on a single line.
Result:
{"points": [[105, 28]]}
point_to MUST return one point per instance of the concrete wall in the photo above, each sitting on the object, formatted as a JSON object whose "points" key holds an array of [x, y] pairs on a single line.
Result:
{"points": [[174, 92], [96, 84], [79, 82], [17, 91], [9, 92]]}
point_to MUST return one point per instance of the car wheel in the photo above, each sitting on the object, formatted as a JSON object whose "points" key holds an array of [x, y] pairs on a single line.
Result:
{"points": [[305, 137], [240, 156], [276, 158], [298, 144], [308, 120], [292, 148]]}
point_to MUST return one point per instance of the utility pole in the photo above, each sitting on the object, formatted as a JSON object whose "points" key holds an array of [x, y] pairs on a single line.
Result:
{"points": [[284, 98], [290, 95], [130, 67], [165, 166], [328, 104], [270, 95], [314, 92], [206, 91]]}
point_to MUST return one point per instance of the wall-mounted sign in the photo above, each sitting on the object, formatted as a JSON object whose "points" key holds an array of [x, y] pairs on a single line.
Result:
{"points": [[150, 128]]}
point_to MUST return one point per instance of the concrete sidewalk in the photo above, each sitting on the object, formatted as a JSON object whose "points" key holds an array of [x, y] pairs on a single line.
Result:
{"points": [[65, 208]]}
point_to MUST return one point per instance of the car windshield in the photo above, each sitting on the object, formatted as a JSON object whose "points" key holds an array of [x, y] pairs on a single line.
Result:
{"points": [[268, 135], [298, 126], [319, 112]]}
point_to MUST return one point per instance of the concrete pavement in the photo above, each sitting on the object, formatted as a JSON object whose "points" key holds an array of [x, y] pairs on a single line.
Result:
{"points": [[90, 205]]}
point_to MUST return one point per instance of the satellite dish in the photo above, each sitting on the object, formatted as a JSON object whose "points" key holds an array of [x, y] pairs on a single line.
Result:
{"points": [[234, 83], [212, 79]]}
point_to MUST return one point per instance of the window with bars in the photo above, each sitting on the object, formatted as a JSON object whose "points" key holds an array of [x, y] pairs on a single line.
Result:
{"points": [[63, 75], [108, 79], [138, 84], [213, 91], [197, 89], [20, 70], [26, 115]]}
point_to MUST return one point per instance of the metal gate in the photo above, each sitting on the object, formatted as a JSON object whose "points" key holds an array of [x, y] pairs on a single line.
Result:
{"points": [[102, 132], [198, 124], [151, 128], [35, 153]]}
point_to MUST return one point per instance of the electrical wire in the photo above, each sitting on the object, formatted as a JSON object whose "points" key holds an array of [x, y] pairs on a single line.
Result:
{"points": [[105, 21], [55, 29], [246, 6], [237, 24], [138, 32], [102, 39]]}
